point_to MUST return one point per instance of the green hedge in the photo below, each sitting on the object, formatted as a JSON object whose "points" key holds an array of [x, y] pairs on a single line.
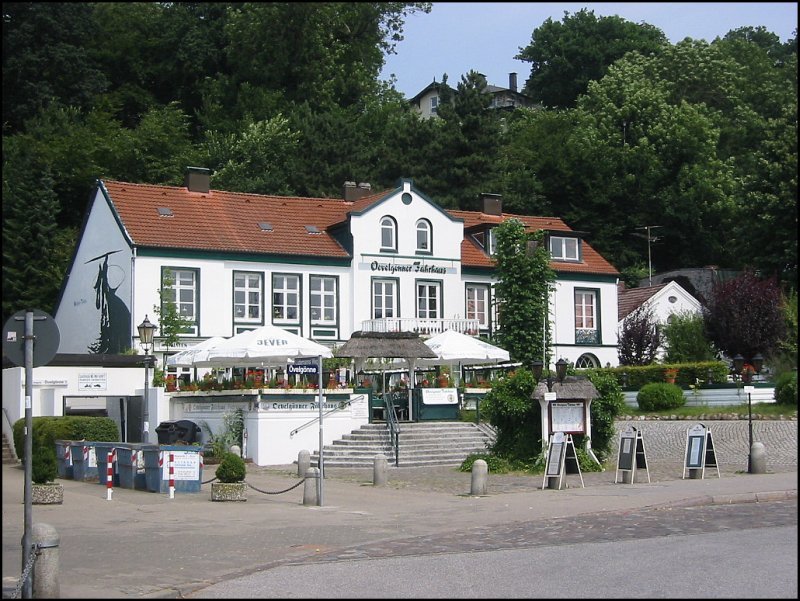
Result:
{"points": [[786, 388], [47, 430], [633, 377]]}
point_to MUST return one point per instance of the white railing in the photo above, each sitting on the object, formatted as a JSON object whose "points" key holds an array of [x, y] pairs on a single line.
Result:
{"points": [[424, 327]]}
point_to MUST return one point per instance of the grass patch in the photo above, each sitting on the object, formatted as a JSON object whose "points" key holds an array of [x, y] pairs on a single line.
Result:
{"points": [[763, 409]]}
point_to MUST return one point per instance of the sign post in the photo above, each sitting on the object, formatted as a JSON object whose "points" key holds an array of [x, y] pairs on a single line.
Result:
{"points": [[18, 344], [306, 366]]}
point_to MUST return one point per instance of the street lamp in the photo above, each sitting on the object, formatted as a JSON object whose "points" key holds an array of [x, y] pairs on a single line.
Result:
{"points": [[561, 372], [146, 330], [738, 364]]}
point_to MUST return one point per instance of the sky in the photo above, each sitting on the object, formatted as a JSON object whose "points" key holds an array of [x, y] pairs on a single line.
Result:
{"points": [[456, 37]]}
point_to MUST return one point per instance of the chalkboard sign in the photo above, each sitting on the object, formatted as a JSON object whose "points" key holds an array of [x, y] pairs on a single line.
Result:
{"points": [[631, 453], [700, 452], [561, 453], [555, 454]]}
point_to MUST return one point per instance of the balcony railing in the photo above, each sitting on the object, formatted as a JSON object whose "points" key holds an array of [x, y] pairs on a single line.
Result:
{"points": [[424, 327]]}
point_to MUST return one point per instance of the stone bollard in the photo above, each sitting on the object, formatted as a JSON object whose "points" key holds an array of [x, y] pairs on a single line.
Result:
{"points": [[758, 458], [379, 470], [236, 450], [479, 477], [303, 462], [45, 568], [310, 496]]}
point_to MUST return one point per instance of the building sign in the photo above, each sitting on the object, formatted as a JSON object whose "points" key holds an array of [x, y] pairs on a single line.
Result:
{"points": [[302, 369], [439, 396], [290, 406], [413, 267], [93, 381], [568, 417], [186, 465], [50, 383]]}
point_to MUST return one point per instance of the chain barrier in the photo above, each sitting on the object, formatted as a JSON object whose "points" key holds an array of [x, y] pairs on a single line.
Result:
{"points": [[26, 571], [266, 492], [208, 481]]}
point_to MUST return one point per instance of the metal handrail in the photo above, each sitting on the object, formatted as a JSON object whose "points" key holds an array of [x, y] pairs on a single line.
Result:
{"points": [[341, 405], [394, 426]]}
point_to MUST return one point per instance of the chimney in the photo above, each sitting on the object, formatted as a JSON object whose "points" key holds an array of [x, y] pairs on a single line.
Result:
{"points": [[198, 179], [491, 204], [512, 82], [352, 192]]}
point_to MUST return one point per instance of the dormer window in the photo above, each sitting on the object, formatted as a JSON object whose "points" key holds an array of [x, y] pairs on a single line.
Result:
{"points": [[563, 248], [487, 240], [388, 234], [434, 104]]}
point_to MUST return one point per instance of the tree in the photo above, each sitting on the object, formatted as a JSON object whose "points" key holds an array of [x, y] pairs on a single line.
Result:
{"points": [[745, 316], [685, 339], [639, 337], [525, 281], [171, 322], [566, 56]]}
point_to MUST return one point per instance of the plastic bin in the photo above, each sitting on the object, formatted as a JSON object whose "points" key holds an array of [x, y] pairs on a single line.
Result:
{"points": [[84, 461], [102, 449], [64, 458], [183, 430], [188, 467], [130, 461]]}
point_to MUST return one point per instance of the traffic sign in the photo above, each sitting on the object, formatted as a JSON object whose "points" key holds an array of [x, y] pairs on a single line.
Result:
{"points": [[46, 338]]}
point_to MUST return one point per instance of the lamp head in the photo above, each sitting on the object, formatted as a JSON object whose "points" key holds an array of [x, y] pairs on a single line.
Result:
{"points": [[758, 362], [738, 363], [561, 369], [146, 330], [536, 369]]}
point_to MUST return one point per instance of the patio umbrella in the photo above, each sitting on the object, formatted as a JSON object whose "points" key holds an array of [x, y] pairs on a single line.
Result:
{"points": [[453, 347], [265, 346], [194, 356]]}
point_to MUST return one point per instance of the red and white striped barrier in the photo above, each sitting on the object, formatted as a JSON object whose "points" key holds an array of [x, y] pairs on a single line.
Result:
{"points": [[171, 476], [109, 475], [67, 455]]}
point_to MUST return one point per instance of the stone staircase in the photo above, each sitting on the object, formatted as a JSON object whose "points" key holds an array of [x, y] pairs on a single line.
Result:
{"points": [[421, 444], [8, 454]]}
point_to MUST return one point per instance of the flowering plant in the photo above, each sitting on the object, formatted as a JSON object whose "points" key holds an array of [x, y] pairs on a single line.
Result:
{"points": [[748, 371], [670, 374]]}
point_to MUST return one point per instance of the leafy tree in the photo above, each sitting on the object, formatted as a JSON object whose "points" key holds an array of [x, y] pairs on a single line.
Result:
{"points": [[639, 337], [565, 56], [685, 339], [516, 417], [171, 322], [524, 283], [745, 316], [605, 408]]}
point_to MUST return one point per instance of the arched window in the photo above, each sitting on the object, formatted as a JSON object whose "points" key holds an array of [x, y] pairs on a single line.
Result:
{"points": [[586, 361], [424, 236], [388, 234]]}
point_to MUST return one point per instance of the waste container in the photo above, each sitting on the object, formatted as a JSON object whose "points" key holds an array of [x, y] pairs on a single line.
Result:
{"points": [[182, 430], [84, 460], [64, 458], [187, 467], [101, 450], [130, 458]]}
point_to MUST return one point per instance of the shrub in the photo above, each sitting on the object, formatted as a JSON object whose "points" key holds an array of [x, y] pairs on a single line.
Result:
{"points": [[231, 468], [44, 465], [48, 429], [786, 388], [659, 396]]}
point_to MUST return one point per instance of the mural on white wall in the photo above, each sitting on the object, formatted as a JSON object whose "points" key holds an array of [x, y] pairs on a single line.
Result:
{"points": [[115, 317]]}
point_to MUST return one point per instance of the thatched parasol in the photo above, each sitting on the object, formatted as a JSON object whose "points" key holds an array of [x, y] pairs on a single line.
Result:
{"points": [[389, 345], [573, 387]]}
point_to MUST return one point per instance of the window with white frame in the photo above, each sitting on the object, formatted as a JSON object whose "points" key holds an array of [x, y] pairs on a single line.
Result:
{"points": [[388, 234], [429, 298], [285, 298], [322, 299], [477, 303], [586, 331], [434, 104], [424, 236], [247, 296], [563, 248], [181, 289], [384, 299]]}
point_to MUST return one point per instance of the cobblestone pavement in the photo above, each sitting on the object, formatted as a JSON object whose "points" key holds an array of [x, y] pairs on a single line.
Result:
{"points": [[664, 444]]}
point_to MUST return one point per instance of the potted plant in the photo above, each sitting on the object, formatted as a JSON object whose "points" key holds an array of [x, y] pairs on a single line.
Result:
{"points": [[230, 473], [44, 469], [670, 374]]}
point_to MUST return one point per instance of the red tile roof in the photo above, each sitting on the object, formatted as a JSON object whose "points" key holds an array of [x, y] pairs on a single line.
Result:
{"points": [[229, 222], [630, 299]]}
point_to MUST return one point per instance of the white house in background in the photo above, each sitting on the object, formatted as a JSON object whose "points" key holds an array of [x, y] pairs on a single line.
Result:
{"points": [[321, 268], [665, 301], [426, 102]]}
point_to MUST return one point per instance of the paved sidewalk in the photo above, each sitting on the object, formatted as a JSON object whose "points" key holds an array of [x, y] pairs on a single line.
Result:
{"points": [[145, 545]]}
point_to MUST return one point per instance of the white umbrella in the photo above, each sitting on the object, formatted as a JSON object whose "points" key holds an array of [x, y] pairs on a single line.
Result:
{"points": [[267, 345], [453, 347], [194, 356]]}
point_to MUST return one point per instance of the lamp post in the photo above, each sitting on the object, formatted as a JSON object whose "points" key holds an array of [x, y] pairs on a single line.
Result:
{"points": [[561, 372], [146, 330], [747, 376]]}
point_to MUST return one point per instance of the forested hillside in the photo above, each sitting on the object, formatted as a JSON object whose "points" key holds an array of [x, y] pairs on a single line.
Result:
{"points": [[285, 98]]}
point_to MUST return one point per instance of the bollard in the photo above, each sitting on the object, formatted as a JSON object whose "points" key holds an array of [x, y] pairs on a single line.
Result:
{"points": [[758, 458], [45, 568], [109, 475], [310, 486], [479, 477], [379, 470], [172, 475], [303, 462]]}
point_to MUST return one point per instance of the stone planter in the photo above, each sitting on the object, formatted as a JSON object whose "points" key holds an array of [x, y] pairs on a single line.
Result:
{"points": [[49, 493], [229, 491]]}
